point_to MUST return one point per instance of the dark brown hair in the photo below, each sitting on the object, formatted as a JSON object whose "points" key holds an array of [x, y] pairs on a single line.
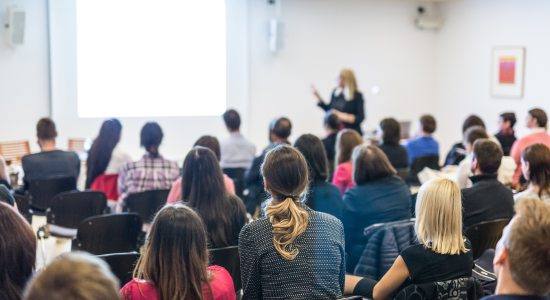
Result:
{"points": [[99, 155], [232, 119], [471, 121], [488, 155], [538, 157], [45, 129], [314, 152], [176, 255], [151, 137], [370, 164], [346, 141], [17, 252], [540, 115], [332, 121], [391, 131], [509, 116], [211, 143], [428, 123], [474, 133], [281, 127]]}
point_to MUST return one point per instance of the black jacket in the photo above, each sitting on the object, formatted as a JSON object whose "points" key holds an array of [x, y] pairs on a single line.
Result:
{"points": [[397, 155], [355, 106]]}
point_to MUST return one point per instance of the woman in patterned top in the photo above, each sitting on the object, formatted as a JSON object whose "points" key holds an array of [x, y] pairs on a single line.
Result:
{"points": [[293, 252]]}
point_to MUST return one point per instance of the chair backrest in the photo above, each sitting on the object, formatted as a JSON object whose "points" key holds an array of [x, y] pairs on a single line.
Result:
{"points": [[456, 289], [147, 204], [109, 234], [23, 207], [237, 175], [419, 163], [76, 145], [42, 191], [69, 209], [485, 235], [122, 265], [14, 151], [228, 258]]}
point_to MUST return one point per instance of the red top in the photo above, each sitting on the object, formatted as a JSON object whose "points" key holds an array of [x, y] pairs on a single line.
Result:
{"points": [[521, 144], [222, 287], [343, 178]]}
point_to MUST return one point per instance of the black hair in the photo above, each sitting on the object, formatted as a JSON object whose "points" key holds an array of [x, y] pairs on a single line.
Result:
{"points": [[391, 131], [471, 121], [232, 119], [488, 155], [151, 137], [428, 123], [332, 121], [281, 127], [509, 116], [102, 149]]}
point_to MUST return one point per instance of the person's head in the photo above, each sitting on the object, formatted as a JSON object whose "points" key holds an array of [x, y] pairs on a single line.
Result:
{"points": [[313, 150], [332, 123], [286, 178], [427, 124], [391, 131], [535, 165], [151, 137], [74, 276], [440, 199], [370, 164], [18, 252], [536, 118], [471, 135], [232, 120], [45, 131], [280, 130], [487, 156], [522, 254], [472, 121], [507, 121], [347, 79], [176, 254], [210, 142], [102, 149], [346, 141]]}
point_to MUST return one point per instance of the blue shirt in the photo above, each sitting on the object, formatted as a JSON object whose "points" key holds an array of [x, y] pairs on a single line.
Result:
{"points": [[421, 146], [236, 152], [325, 197]]}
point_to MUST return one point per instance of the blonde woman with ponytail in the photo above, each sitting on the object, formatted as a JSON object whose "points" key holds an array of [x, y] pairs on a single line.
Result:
{"points": [[293, 252]]}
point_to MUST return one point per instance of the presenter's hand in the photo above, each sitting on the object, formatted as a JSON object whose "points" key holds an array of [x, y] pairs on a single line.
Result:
{"points": [[316, 93]]}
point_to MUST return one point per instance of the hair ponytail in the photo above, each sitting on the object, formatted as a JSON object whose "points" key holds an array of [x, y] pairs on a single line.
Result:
{"points": [[289, 222]]}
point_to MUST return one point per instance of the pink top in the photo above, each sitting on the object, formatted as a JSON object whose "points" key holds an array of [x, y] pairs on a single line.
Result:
{"points": [[343, 178], [222, 287], [521, 144], [175, 192]]}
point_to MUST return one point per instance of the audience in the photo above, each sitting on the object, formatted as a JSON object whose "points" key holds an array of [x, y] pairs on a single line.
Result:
{"points": [[50, 162], [4, 174], [535, 165], [425, 144], [464, 172], [293, 252], [236, 151], [390, 133], [332, 127], [74, 276], [346, 141], [458, 151], [536, 122], [211, 143], [175, 262], [487, 199], [17, 252], [505, 135], [379, 197], [522, 259], [151, 172], [279, 131], [322, 195]]}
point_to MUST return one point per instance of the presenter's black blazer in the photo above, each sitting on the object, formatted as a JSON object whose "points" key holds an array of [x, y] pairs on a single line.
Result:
{"points": [[355, 106]]}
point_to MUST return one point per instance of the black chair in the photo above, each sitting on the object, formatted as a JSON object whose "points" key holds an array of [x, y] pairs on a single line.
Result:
{"points": [[109, 234], [23, 207], [69, 209], [228, 258], [122, 265], [403, 174], [419, 163], [147, 204], [485, 235], [237, 175], [456, 289], [42, 191]]}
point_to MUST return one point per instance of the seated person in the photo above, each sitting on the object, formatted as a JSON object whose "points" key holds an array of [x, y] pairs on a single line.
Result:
{"points": [[236, 151], [522, 259], [294, 252], [458, 151], [464, 167], [487, 199], [322, 196], [151, 172], [74, 276], [4, 176], [346, 141], [380, 196], [425, 144], [6, 196], [49, 163], [175, 263], [332, 127], [535, 161], [389, 132], [505, 135]]}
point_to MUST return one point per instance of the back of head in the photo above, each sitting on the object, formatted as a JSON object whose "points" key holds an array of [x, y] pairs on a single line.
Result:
{"points": [[351, 83], [74, 276], [281, 127], [474, 133], [471, 121], [45, 129], [314, 152], [538, 157], [17, 252], [176, 255], [210, 142], [438, 222], [102, 149], [540, 115], [151, 137], [232, 119], [285, 173], [488, 155], [391, 131], [428, 124], [370, 164], [509, 116], [346, 141], [332, 121]]}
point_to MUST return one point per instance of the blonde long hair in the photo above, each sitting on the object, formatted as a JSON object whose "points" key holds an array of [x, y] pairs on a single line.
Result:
{"points": [[351, 83], [438, 222], [286, 176]]}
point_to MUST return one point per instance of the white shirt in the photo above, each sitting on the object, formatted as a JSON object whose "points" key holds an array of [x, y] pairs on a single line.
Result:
{"points": [[531, 193], [118, 158], [237, 152], [505, 171]]}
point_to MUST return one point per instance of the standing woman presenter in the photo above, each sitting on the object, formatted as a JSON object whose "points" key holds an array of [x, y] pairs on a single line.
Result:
{"points": [[346, 101]]}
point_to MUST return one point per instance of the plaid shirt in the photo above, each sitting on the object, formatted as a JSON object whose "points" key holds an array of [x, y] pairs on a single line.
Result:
{"points": [[148, 173]]}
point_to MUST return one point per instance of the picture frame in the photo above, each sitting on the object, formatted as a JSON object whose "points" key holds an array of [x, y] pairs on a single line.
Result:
{"points": [[508, 72]]}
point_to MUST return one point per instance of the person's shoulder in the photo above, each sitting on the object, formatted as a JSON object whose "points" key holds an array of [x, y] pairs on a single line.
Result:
{"points": [[137, 286], [255, 228], [327, 187], [222, 281], [329, 220]]}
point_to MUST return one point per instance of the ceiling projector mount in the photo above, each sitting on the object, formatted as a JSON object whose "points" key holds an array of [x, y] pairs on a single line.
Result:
{"points": [[425, 21]]}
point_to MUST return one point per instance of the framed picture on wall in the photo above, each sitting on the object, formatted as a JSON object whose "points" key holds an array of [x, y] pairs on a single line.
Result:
{"points": [[508, 65]]}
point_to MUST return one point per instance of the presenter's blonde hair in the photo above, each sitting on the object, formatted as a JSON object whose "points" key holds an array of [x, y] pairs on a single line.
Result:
{"points": [[351, 83], [439, 216]]}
